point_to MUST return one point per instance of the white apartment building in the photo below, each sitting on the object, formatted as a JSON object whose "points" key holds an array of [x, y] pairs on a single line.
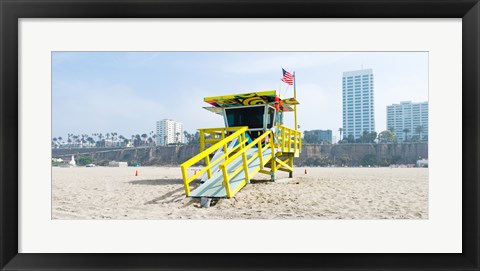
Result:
{"points": [[410, 116], [169, 131], [358, 103]]}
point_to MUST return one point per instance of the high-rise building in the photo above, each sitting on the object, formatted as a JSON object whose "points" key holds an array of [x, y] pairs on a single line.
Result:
{"points": [[358, 103], [169, 131], [410, 116]]}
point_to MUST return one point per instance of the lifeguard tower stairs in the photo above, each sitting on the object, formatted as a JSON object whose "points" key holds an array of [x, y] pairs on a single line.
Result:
{"points": [[253, 141]]}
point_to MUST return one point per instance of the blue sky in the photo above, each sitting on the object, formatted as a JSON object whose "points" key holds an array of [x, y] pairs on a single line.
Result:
{"points": [[127, 92]]}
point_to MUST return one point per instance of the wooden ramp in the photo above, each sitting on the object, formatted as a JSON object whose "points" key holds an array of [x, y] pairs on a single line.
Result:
{"points": [[214, 188]]}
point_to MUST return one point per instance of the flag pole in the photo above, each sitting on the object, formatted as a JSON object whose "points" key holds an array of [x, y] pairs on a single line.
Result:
{"points": [[295, 96]]}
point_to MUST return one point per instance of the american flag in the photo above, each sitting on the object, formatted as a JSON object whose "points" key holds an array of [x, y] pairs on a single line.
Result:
{"points": [[287, 77]]}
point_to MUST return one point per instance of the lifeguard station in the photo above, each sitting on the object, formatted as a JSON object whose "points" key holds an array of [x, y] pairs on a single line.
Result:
{"points": [[254, 140]]}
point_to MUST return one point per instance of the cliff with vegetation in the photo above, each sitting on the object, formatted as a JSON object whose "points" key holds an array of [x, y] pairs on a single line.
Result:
{"points": [[164, 155], [312, 154], [362, 154]]}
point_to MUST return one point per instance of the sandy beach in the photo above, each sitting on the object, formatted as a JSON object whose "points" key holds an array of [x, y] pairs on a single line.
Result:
{"points": [[322, 193]]}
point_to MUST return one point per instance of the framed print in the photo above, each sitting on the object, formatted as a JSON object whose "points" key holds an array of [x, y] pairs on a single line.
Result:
{"points": [[346, 135]]}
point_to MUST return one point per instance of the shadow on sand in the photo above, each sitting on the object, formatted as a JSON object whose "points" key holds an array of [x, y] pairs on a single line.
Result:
{"points": [[159, 182], [174, 195], [259, 181], [166, 196], [171, 196]]}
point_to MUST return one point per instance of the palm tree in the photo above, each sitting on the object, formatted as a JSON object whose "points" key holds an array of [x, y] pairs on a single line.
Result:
{"points": [[392, 130], [100, 139], [76, 140], [154, 137], [406, 131], [196, 138], [177, 135], [82, 139], [386, 136], [365, 136], [91, 140], [138, 140], [187, 136], [144, 136], [419, 131], [341, 131]]}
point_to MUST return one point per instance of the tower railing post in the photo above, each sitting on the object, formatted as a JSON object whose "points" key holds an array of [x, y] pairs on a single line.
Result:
{"points": [[202, 140], [273, 166]]}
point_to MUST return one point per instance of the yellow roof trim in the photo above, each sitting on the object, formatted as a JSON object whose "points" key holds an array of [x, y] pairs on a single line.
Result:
{"points": [[243, 95]]}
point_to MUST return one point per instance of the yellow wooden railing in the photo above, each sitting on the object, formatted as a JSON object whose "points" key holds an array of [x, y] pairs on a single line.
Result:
{"points": [[210, 136], [289, 140], [223, 141], [246, 161]]}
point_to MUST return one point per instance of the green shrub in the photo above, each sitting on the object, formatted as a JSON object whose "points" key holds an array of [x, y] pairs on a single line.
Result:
{"points": [[56, 164], [396, 159], [369, 160], [84, 160]]}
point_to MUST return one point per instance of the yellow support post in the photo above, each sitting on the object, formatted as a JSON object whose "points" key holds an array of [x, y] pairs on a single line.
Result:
{"points": [[260, 153], [295, 96], [290, 162], [245, 166], [300, 144], [225, 148], [295, 142], [226, 180], [289, 140], [202, 140], [273, 168], [207, 164], [184, 175]]}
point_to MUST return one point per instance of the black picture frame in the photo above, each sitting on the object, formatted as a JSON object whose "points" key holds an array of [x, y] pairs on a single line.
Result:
{"points": [[12, 10]]}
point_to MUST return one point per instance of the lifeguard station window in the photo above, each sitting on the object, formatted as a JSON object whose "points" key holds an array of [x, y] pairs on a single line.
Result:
{"points": [[251, 116], [270, 117]]}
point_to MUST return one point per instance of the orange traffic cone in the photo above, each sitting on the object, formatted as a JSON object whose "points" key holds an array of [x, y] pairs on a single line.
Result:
{"points": [[195, 172], [136, 172]]}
